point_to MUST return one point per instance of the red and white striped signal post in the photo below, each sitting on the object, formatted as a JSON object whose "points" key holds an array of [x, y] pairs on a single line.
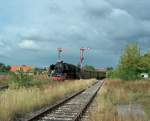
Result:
{"points": [[82, 50], [60, 50], [82, 55]]}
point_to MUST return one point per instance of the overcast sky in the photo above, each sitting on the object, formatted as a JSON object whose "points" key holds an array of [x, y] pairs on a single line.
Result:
{"points": [[31, 30]]}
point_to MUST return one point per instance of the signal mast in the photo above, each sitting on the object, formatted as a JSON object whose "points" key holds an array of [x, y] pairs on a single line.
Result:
{"points": [[59, 50], [82, 50]]}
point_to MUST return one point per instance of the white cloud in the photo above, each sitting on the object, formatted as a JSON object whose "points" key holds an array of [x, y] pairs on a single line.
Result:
{"points": [[119, 12], [28, 44]]}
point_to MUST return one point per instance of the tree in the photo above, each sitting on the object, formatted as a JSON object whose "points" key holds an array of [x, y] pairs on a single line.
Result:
{"points": [[7, 68], [38, 70], [109, 68], [128, 66], [4, 68], [144, 63], [131, 64]]}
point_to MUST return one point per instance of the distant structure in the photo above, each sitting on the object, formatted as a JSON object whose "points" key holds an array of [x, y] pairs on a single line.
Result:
{"points": [[102, 69], [24, 68], [144, 75]]}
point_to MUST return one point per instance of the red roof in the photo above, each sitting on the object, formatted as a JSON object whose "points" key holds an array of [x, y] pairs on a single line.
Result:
{"points": [[21, 68]]}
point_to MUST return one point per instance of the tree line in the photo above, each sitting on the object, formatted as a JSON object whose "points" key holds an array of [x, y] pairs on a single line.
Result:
{"points": [[4, 68], [131, 64]]}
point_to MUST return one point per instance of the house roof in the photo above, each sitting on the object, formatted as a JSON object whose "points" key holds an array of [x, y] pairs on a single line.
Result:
{"points": [[21, 68]]}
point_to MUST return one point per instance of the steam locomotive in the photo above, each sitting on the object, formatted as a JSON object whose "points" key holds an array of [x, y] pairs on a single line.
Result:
{"points": [[62, 71]]}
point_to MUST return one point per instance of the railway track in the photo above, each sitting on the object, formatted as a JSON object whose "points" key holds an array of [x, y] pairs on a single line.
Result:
{"points": [[70, 109]]}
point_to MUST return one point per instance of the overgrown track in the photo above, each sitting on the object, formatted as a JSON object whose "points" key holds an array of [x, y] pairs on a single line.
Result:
{"points": [[70, 110]]}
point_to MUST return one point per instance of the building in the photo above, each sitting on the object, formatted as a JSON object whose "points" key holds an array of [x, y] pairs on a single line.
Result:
{"points": [[102, 69], [144, 75], [24, 68]]}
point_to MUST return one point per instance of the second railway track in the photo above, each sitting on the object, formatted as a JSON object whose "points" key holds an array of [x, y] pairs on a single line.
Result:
{"points": [[72, 109]]}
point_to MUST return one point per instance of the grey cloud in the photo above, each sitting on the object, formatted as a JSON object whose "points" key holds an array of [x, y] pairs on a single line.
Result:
{"points": [[137, 8], [104, 25], [97, 8]]}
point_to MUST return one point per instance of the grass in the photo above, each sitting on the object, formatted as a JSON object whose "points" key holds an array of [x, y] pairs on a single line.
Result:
{"points": [[4, 80], [41, 80], [116, 92], [17, 102], [23, 80]]}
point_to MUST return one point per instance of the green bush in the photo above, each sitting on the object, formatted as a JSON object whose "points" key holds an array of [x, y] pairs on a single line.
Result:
{"points": [[113, 74], [110, 74], [129, 74], [20, 80]]}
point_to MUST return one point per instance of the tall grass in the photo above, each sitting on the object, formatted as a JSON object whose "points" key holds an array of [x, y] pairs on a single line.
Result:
{"points": [[14, 102], [117, 92], [4, 79], [24, 80]]}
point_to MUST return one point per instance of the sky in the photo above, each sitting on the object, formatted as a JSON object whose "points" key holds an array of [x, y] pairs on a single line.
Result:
{"points": [[32, 30]]}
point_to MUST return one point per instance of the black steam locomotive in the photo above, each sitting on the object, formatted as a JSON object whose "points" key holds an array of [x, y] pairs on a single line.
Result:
{"points": [[61, 71]]}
